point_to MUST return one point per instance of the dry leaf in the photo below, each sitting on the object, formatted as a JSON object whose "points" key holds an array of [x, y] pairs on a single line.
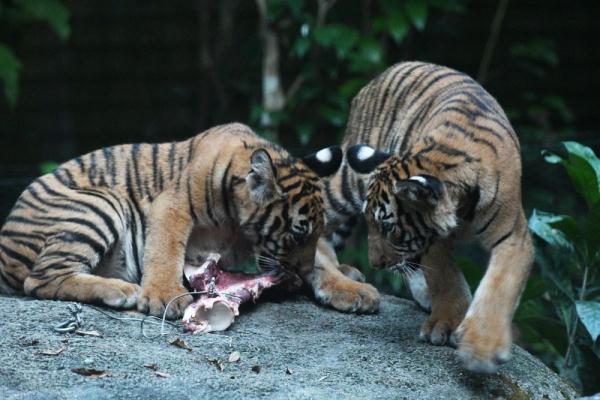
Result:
{"points": [[162, 374], [289, 371], [217, 363], [256, 369], [153, 367], [89, 333], [181, 343], [234, 357], [92, 373], [50, 352]]}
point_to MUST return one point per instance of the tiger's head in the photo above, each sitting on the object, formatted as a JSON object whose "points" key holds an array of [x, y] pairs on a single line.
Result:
{"points": [[285, 215], [405, 213]]}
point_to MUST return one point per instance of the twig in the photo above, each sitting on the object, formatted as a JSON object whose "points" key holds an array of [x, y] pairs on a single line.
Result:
{"points": [[576, 318], [492, 40]]}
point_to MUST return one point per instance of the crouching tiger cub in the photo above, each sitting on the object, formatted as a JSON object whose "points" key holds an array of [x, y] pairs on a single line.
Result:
{"points": [[436, 160], [108, 220]]}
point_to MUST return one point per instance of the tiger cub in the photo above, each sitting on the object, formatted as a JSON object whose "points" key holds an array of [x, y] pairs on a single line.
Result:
{"points": [[104, 222], [432, 159]]}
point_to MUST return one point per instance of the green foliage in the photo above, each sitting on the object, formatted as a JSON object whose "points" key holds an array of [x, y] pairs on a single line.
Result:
{"points": [[569, 260], [52, 12], [589, 313], [48, 167], [9, 73], [18, 15], [536, 50], [328, 57]]}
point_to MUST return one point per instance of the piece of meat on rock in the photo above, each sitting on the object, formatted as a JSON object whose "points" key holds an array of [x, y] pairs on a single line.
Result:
{"points": [[217, 307]]}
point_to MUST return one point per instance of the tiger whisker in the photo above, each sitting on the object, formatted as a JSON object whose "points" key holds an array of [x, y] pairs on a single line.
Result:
{"points": [[414, 264]]}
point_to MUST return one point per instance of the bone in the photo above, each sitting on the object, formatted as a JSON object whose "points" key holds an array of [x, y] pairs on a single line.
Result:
{"points": [[216, 309]]}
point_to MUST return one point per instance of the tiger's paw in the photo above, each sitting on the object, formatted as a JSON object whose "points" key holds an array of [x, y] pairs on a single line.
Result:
{"points": [[346, 295], [483, 345], [447, 313], [153, 300], [438, 330], [352, 273], [121, 294]]}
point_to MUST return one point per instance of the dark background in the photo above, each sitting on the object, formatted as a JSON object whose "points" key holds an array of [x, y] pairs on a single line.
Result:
{"points": [[152, 71], [136, 71]]}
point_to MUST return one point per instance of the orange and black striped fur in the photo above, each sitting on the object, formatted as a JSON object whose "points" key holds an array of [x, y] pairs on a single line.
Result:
{"points": [[105, 222], [432, 159]]}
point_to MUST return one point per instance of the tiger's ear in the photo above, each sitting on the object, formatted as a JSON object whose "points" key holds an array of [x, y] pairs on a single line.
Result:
{"points": [[262, 178], [420, 190], [364, 159], [326, 161]]}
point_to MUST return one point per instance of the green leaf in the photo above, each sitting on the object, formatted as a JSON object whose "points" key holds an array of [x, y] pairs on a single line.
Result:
{"points": [[398, 27], [556, 230], [558, 104], [589, 314], [583, 168], [417, 12], [333, 115], [592, 232], [395, 21], [48, 167], [9, 74], [53, 12], [537, 50], [339, 37], [301, 47], [367, 56], [557, 280], [351, 87]]}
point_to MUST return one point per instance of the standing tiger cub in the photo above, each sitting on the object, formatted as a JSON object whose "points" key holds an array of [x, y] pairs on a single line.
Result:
{"points": [[433, 159], [106, 221]]}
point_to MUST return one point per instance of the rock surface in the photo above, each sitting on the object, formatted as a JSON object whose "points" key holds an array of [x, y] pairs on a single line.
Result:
{"points": [[290, 349]]}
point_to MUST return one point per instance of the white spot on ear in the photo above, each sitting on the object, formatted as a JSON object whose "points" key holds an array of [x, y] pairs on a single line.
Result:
{"points": [[365, 152], [419, 179], [324, 155], [364, 207]]}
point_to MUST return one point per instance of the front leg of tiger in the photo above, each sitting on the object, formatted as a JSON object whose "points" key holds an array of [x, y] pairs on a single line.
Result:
{"points": [[169, 227], [450, 294], [485, 335], [333, 288]]}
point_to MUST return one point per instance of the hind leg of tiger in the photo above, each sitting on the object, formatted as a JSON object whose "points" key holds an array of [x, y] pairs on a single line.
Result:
{"points": [[63, 271], [485, 334], [333, 288], [450, 294], [75, 255]]}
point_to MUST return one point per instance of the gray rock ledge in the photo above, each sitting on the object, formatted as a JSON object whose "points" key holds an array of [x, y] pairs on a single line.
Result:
{"points": [[327, 355]]}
